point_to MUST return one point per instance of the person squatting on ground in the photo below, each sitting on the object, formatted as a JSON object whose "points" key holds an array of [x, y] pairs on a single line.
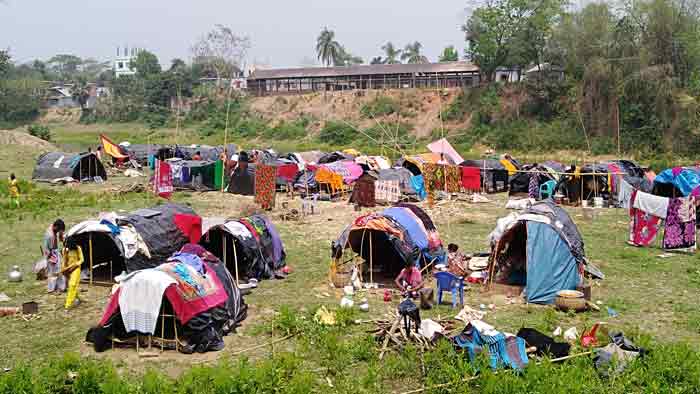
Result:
{"points": [[54, 234], [72, 261]]}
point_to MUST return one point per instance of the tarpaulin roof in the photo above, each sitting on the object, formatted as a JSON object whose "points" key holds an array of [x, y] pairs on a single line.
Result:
{"points": [[259, 248], [400, 174], [409, 230], [685, 179], [54, 165], [349, 170], [442, 146]]}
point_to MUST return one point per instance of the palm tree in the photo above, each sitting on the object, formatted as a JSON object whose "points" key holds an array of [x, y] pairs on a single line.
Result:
{"points": [[392, 54], [411, 54], [327, 48]]}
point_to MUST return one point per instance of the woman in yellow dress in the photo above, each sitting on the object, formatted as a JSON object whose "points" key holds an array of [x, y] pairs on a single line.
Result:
{"points": [[72, 260]]}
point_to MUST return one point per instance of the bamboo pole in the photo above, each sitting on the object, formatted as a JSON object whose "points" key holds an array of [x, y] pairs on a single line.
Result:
{"points": [[371, 259], [235, 260]]}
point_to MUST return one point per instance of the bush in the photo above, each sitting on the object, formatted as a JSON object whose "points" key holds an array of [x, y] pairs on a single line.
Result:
{"points": [[338, 133], [40, 131], [380, 106]]}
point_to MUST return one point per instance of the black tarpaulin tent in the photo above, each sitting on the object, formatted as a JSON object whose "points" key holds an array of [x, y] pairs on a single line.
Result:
{"points": [[494, 176], [146, 238], [79, 166]]}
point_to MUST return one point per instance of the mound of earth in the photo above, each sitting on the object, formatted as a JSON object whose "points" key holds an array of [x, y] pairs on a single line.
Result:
{"points": [[12, 137]]}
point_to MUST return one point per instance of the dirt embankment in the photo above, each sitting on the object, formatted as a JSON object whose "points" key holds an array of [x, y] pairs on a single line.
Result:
{"points": [[12, 137], [418, 107]]}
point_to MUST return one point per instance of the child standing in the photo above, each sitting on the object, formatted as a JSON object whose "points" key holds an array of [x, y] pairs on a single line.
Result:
{"points": [[14, 191]]}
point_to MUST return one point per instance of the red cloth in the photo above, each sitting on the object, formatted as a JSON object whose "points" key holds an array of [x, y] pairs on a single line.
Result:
{"points": [[471, 178], [190, 225], [288, 172], [163, 180], [186, 310], [643, 226], [111, 307]]}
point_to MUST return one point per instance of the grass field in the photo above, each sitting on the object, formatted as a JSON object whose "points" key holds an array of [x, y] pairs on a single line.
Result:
{"points": [[656, 297]]}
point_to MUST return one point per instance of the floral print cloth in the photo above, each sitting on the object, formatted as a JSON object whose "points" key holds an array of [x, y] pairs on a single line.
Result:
{"points": [[643, 226], [265, 186], [679, 233]]}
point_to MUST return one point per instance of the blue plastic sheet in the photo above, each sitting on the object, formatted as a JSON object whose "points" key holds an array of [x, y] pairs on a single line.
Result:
{"points": [[550, 265], [686, 181], [419, 186]]}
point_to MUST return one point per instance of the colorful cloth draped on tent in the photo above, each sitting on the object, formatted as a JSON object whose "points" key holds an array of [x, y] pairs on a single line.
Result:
{"points": [[643, 226], [265, 186], [471, 179], [439, 177], [348, 170], [193, 293], [330, 178], [679, 233]]}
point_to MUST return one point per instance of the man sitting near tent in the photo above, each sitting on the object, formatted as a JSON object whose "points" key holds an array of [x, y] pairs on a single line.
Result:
{"points": [[456, 261]]}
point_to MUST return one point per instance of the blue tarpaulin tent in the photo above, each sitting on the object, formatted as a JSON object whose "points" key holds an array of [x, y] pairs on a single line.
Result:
{"points": [[685, 180], [540, 250]]}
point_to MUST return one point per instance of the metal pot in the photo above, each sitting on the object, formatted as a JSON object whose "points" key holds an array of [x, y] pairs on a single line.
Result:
{"points": [[15, 275]]}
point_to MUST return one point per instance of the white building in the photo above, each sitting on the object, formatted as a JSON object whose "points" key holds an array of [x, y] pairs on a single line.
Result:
{"points": [[122, 63]]}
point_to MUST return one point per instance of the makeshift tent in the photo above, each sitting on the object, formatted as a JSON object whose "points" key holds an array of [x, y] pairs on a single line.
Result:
{"points": [[242, 180], [141, 239], [598, 180], [250, 247], [520, 182], [334, 156], [373, 163], [388, 239], [494, 176], [540, 250], [57, 165], [141, 152], [678, 182], [197, 303], [310, 157], [414, 163], [197, 174]]}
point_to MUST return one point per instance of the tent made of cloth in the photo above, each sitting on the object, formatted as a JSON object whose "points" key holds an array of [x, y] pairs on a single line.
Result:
{"points": [[539, 249], [677, 182], [141, 239], [414, 163], [494, 176], [334, 156], [392, 237], [206, 304], [259, 251], [373, 163], [141, 152], [310, 157], [598, 179], [78, 166]]}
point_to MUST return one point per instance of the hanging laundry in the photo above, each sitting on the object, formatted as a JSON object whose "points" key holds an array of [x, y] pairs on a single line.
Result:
{"points": [[387, 191], [265, 186], [651, 204], [163, 180], [433, 181], [419, 186], [679, 233], [453, 177], [643, 226], [471, 179], [533, 188]]}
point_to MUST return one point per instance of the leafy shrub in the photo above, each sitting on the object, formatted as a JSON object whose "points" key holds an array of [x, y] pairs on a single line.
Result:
{"points": [[380, 106], [338, 133], [40, 131]]}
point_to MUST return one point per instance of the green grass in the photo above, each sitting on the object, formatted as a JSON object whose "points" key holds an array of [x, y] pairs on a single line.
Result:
{"points": [[656, 299]]}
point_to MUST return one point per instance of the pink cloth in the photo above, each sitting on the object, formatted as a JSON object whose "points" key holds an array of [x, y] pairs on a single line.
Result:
{"points": [[614, 170], [643, 226], [111, 308], [163, 180], [676, 170], [442, 146], [412, 277]]}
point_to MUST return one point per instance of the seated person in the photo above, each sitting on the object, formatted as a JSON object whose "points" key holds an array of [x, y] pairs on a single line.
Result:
{"points": [[456, 261], [410, 280]]}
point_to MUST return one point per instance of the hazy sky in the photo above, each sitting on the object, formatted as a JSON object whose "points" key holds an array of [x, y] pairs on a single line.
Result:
{"points": [[283, 32]]}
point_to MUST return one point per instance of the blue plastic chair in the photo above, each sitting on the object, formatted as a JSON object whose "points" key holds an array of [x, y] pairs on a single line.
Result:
{"points": [[547, 189], [447, 281]]}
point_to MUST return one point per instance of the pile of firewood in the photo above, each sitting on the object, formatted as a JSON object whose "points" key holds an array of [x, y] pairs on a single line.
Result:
{"points": [[391, 333]]}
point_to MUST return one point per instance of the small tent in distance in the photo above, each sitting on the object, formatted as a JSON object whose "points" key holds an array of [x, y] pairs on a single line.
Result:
{"points": [[76, 166]]}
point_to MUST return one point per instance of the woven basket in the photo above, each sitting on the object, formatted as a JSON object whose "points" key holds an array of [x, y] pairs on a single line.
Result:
{"points": [[570, 300], [340, 276]]}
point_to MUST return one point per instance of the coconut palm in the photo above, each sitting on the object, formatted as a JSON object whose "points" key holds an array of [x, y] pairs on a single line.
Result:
{"points": [[411, 53], [392, 54], [329, 51]]}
